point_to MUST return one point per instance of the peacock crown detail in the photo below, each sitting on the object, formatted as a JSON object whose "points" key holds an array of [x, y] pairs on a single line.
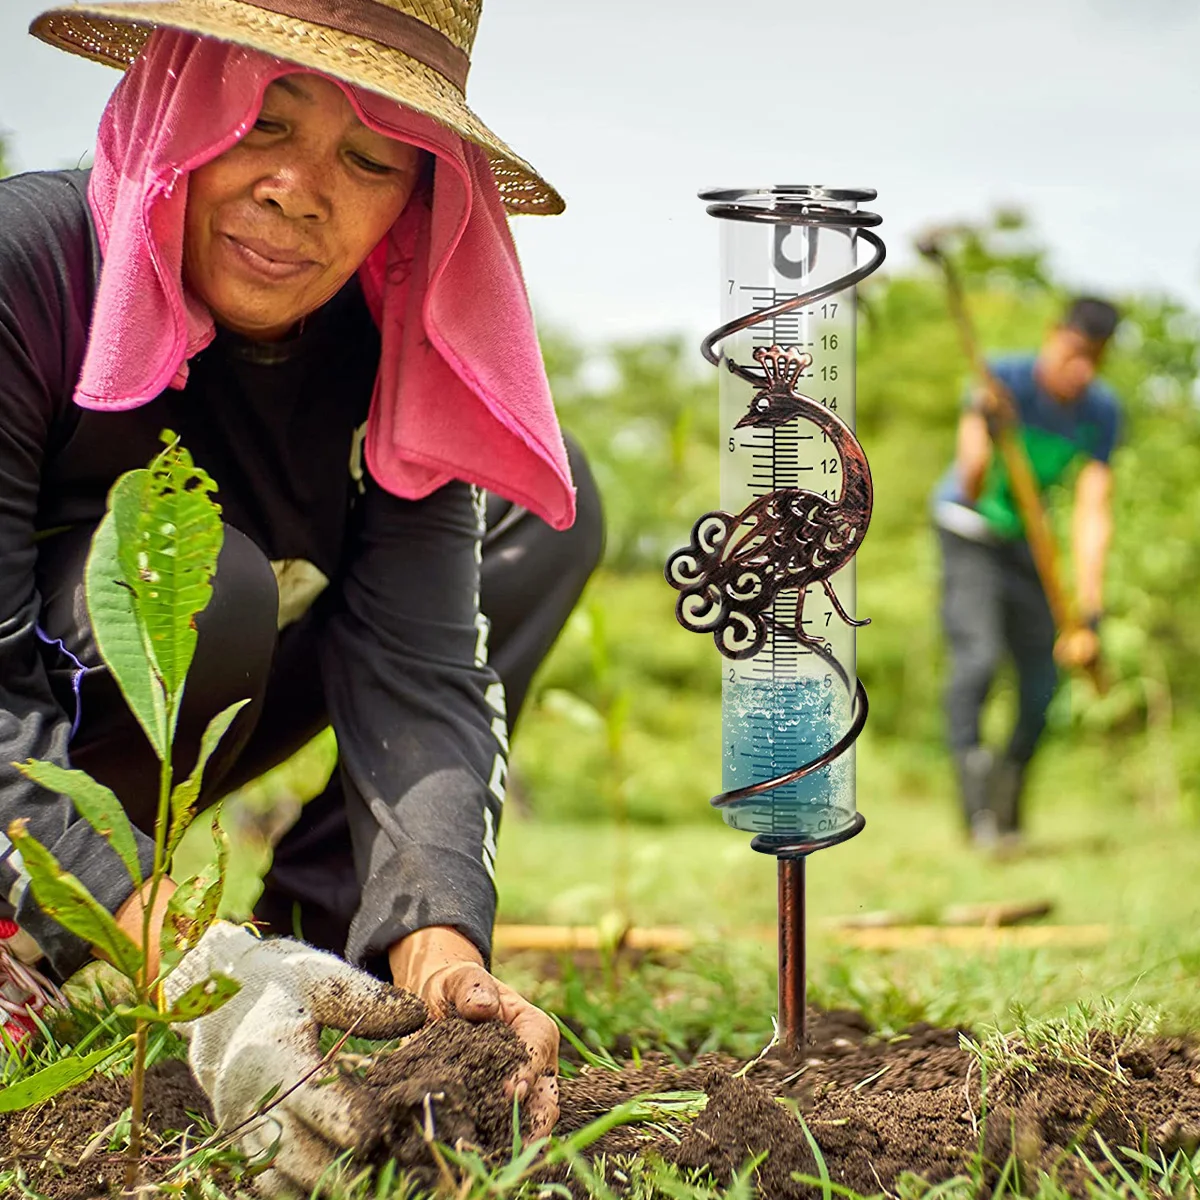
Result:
{"points": [[782, 368]]}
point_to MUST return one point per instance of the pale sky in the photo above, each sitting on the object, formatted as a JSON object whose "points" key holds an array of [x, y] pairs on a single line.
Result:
{"points": [[1086, 113]]}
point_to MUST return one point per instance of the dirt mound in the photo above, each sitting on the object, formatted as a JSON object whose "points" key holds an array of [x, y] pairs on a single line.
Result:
{"points": [[1127, 1097], [742, 1121], [876, 1108], [444, 1083]]}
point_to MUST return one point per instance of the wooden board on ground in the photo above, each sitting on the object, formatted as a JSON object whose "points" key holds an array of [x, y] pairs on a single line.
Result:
{"points": [[991, 913], [973, 937], [671, 938], [590, 937]]}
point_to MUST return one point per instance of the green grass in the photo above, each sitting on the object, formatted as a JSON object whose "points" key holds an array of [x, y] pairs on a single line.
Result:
{"points": [[1098, 856], [1095, 864]]}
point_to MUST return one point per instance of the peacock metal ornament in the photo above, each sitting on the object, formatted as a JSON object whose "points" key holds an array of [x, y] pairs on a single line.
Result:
{"points": [[731, 573]]}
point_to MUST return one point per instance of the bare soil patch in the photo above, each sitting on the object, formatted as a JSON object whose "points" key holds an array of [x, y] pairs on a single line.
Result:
{"points": [[47, 1142], [880, 1108], [876, 1108]]}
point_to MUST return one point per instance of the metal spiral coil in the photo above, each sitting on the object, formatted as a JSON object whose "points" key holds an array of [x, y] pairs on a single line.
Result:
{"points": [[786, 207]]}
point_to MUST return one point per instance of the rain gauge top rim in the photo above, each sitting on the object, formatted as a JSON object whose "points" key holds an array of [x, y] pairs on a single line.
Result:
{"points": [[792, 204]]}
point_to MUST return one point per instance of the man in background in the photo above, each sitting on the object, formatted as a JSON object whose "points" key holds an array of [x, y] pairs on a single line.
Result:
{"points": [[992, 599]]}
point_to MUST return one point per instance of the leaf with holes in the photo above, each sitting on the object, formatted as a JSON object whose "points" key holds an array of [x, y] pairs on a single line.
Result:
{"points": [[199, 1000], [149, 573], [194, 904], [171, 557], [115, 624], [203, 998]]}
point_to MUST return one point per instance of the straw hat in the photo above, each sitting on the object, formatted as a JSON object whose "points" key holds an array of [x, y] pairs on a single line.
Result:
{"points": [[414, 51]]}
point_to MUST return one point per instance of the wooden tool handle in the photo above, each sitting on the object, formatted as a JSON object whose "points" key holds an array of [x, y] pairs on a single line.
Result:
{"points": [[1037, 528], [1041, 542]]}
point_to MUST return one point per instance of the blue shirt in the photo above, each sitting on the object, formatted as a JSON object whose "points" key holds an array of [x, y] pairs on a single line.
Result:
{"points": [[1055, 434]]}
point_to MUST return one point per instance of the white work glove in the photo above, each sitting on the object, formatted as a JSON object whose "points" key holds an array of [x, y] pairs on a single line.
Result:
{"points": [[267, 1037]]}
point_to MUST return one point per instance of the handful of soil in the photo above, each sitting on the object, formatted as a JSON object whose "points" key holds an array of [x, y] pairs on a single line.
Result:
{"points": [[446, 1084]]}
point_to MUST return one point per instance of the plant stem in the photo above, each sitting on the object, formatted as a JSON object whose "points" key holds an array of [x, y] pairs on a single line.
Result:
{"points": [[145, 983], [165, 776], [133, 1159]]}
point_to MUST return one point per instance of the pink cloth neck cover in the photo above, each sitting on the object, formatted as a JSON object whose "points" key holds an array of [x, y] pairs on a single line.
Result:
{"points": [[461, 391]]}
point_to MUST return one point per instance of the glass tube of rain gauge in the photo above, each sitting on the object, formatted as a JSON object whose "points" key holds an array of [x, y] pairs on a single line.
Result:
{"points": [[785, 705]]}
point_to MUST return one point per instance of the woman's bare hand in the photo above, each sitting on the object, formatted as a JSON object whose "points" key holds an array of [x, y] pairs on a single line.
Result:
{"points": [[447, 972]]}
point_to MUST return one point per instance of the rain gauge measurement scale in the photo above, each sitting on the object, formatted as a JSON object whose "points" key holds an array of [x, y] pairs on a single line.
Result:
{"points": [[770, 575]]}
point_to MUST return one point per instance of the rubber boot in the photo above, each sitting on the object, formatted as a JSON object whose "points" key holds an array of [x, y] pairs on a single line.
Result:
{"points": [[975, 766], [1008, 784]]}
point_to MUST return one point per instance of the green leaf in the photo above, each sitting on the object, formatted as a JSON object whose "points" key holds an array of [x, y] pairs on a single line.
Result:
{"points": [[185, 794], [52, 1080], [203, 998], [200, 999], [61, 896], [149, 574], [96, 804], [170, 557], [221, 839], [139, 1012], [818, 1157], [190, 911], [523, 1159], [118, 632]]}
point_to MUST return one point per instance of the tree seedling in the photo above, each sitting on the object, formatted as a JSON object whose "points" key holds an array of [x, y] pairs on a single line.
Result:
{"points": [[149, 574]]}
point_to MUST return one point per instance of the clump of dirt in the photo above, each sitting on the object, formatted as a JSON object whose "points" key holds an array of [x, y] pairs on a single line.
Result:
{"points": [[876, 1108], [742, 1121], [446, 1084], [47, 1142]]}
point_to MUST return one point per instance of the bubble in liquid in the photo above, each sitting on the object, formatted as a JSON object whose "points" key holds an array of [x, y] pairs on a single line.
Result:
{"points": [[771, 728]]}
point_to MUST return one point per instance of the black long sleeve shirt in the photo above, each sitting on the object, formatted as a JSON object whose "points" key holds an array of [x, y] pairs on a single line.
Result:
{"points": [[417, 713]]}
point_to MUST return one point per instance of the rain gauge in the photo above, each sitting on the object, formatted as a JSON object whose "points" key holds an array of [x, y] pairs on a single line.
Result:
{"points": [[770, 575]]}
